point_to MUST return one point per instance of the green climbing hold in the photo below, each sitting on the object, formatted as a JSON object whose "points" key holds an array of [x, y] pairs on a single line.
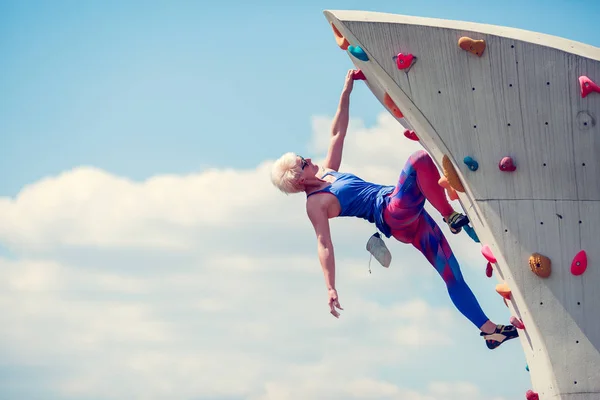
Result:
{"points": [[358, 52]]}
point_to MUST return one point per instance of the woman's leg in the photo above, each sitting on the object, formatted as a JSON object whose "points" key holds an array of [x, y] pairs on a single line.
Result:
{"points": [[430, 241]]}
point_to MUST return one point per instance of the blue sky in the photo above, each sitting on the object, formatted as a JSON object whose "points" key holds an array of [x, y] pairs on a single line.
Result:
{"points": [[139, 88], [167, 90]]}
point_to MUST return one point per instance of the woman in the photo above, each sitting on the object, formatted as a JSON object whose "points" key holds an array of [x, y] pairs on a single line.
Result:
{"points": [[397, 211]]}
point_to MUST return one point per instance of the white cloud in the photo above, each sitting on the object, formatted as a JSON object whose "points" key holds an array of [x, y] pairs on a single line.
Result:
{"points": [[207, 285]]}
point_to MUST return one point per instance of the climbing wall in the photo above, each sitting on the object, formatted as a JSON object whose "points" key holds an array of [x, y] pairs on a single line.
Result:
{"points": [[510, 117]]}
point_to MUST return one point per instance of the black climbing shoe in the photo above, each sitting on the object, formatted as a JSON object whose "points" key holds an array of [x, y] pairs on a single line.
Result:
{"points": [[456, 221], [503, 333]]}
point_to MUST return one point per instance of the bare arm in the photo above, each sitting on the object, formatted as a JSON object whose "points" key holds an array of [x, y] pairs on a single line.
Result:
{"points": [[340, 126], [318, 217]]}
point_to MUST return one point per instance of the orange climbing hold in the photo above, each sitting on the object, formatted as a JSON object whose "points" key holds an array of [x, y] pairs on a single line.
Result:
{"points": [[487, 253], [587, 86], [579, 264], [503, 290], [389, 103], [339, 38], [451, 174], [443, 182], [540, 265], [473, 46], [411, 135]]}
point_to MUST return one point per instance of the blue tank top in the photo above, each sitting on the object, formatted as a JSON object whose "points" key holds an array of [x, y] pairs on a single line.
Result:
{"points": [[359, 198]]}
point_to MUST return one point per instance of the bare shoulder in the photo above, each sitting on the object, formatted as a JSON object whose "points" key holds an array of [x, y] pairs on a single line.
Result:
{"points": [[323, 171]]}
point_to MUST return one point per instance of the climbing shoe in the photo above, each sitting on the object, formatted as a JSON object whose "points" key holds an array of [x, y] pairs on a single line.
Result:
{"points": [[503, 333], [376, 246], [456, 221]]}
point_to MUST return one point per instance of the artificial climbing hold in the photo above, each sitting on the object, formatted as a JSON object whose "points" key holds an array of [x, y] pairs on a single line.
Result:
{"points": [[357, 74], [389, 103], [527, 367], [411, 135], [579, 263], [507, 164], [487, 253], [503, 290], [443, 182], [473, 46], [471, 163], [404, 61], [540, 265], [516, 322], [471, 232], [489, 270], [587, 86], [451, 175], [358, 52], [339, 38], [531, 395]]}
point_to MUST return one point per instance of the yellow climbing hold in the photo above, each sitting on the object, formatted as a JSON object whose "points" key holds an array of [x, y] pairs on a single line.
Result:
{"points": [[503, 290], [451, 175], [540, 265]]}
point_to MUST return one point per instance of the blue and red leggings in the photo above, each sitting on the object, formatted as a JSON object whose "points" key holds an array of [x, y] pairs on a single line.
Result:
{"points": [[410, 223]]}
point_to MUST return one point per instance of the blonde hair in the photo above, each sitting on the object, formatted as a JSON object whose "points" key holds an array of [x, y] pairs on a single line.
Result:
{"points": [[285, 173]]}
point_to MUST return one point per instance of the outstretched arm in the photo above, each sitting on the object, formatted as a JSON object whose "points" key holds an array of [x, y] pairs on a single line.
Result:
{"points": [[318, 217], [340, 126]]}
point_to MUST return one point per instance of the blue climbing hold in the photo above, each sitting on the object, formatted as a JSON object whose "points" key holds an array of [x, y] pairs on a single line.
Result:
{"points": [[358, 52], [527, 367], [471, 232], [471, 163]]}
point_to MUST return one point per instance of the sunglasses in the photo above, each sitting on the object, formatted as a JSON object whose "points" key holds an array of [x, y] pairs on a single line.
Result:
{"points": [[304, 162]]}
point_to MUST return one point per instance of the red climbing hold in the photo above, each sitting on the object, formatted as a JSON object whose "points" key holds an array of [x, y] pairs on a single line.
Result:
{"points": [[579, 264], [587, 86], [411, 135], [516, 322], [357, 74], [531, 395], [507, 164], [487, 253], [489, 270], [404, 61]]}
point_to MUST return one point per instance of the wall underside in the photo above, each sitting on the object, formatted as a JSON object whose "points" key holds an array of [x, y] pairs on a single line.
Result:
{"points": [[520, 99]]}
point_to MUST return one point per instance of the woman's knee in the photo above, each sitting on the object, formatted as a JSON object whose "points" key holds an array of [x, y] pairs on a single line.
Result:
{"points": [[421, 157]]}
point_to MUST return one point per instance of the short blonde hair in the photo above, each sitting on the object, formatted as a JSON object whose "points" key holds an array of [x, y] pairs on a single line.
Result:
{"points": [[285, 173]]}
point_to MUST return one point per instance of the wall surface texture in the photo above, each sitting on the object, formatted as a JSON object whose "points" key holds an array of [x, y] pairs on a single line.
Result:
{"points": [[519, 98]]}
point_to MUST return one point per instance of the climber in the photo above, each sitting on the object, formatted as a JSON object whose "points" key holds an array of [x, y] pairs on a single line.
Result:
{"points": [[397, 211]]}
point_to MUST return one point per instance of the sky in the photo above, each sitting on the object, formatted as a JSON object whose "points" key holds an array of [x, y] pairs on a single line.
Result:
{"points": [[144, 253]]}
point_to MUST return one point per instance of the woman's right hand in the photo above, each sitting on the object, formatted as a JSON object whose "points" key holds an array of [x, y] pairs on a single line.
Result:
{"points": [[334, 303]]}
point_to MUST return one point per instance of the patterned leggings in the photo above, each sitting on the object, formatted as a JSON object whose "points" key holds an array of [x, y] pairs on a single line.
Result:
{"points": [[410, 223]]}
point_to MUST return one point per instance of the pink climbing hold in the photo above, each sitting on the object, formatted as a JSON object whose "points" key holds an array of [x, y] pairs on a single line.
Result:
{"points": [[489, 271], [516, 322], [579, 264], [507, 164], [357, 74], [587, 86], [411, 135], [404, 61], [531, 395], [487, 253]]}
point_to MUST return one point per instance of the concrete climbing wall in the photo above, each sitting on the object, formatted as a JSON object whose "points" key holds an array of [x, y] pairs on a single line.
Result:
{"points": [[520, 97]]}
